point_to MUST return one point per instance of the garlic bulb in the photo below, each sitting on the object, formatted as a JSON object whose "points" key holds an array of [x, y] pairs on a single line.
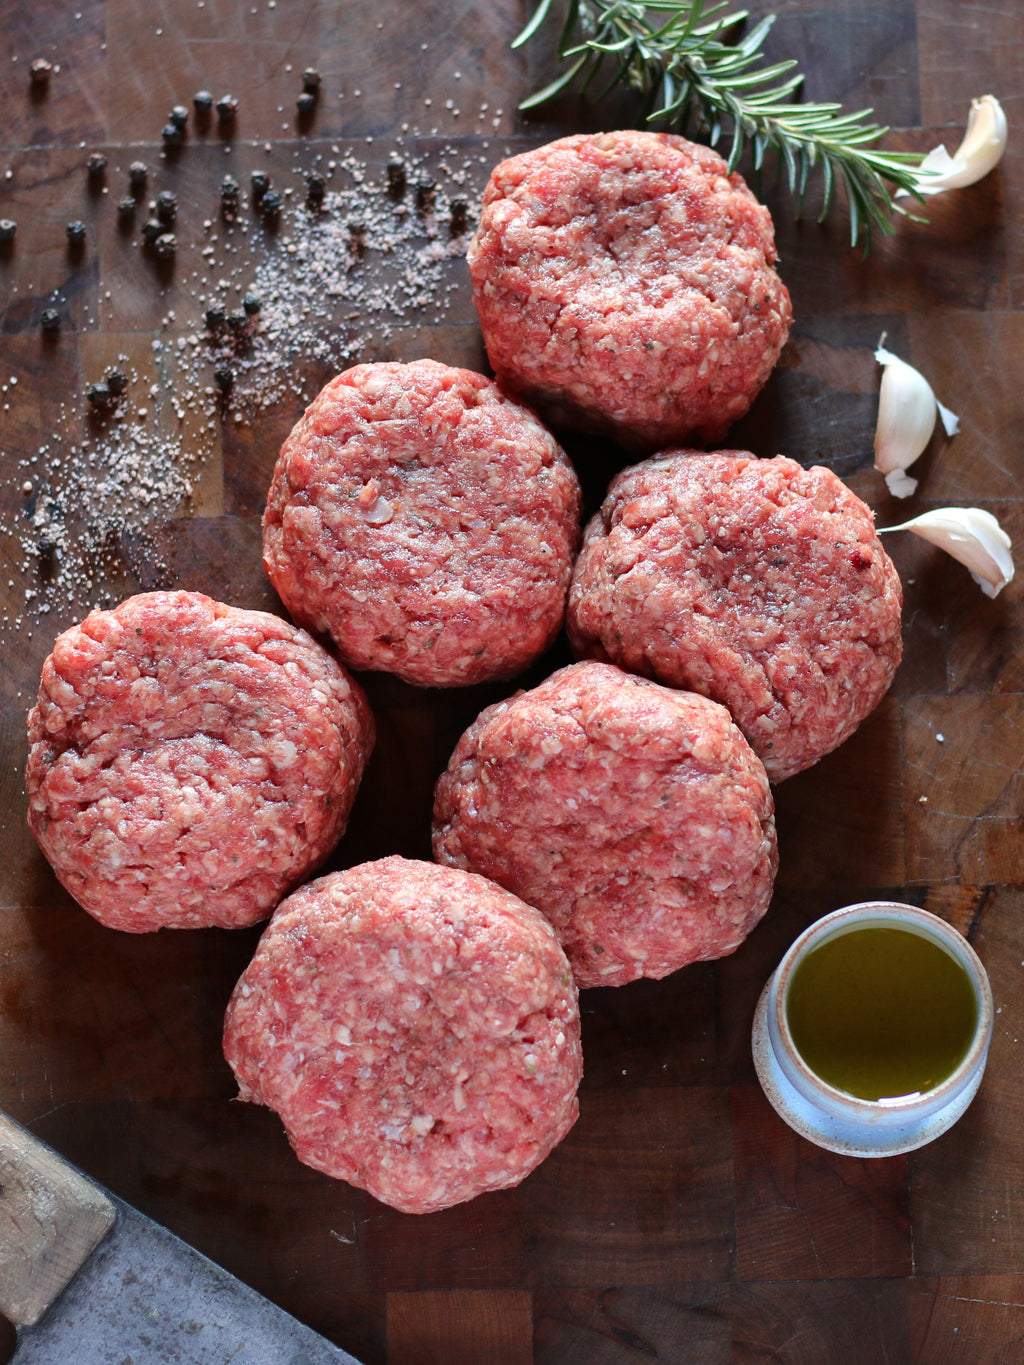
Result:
{"points": [[972, 536], [983, 144], [907, 409]]}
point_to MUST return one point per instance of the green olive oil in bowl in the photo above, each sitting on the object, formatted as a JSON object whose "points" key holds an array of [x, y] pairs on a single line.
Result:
{"points": [[879, 1012]]}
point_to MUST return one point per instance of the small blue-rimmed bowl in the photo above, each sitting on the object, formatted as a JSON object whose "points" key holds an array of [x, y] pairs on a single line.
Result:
{"points": [[832, 1118]]}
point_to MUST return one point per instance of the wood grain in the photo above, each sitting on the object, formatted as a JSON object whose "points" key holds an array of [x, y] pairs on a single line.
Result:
{"points": [[680, 1221]]}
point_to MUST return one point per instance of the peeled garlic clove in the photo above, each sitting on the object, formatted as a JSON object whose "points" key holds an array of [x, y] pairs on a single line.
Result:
{"points": [[972, 536], [907, 409], [983, 144]]}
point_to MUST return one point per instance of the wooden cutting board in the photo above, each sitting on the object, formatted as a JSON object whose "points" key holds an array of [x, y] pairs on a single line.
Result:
{"points": [[680, 1221]]}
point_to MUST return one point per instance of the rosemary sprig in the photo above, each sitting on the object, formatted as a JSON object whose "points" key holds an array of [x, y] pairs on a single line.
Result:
{"points": [[677, 55]]}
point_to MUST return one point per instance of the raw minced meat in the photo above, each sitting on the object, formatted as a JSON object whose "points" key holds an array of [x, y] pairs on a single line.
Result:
{"points": [[190, 762], [426, 522], [415, 1027], [626, 285], [635, 817], [757, 583]]}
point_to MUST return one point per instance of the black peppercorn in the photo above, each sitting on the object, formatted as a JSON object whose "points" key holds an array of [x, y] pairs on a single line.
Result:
{"points": [[215, 318], [305, 104], [251, 304], [229, 189], [357, 238], [40, 72], [172, 135], [117, 382], [271, 204], [178, 116], [260, 184], [202, 102], [49, 320], [224, 376], [166, 206], [425, 192], [396, 179], [237, 322], [8, 227], [138, 172], [46, 546], [75, 232], [311, 80], [227, 108], [315, 188], [96, 165], [165, 246], [152, 228], [126, 208], [457, 217], [99, 395]]}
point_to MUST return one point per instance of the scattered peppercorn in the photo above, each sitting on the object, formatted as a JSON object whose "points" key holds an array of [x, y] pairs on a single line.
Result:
{"points": [[202, 102], [271, 204], [75, 232], [165, 246], [152, 228], [227, 108], [46, 546], [425, 192], [99, 395], [224, 377], [260, 184], [305, 104], [237, 322], [311, 80], [396, 179], [96, 165], [49, 320], [229, 189], [457, 217], [117, 382], [166, 206], [172, 135], [40, 72], [8, 228], [251, 304], [178, 116], [126, 208], [316, 187], [138, 173], [357, 239], [215, 318]]}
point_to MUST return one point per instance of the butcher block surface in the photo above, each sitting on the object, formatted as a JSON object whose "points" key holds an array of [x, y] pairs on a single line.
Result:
{"points": [[680, 1221]]}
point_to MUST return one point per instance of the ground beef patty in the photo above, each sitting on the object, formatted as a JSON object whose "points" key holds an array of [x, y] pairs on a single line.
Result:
{"points": [[415, 1027], [190, 762], [626, 285], [426, 522], [635, 817], [755, 582]]}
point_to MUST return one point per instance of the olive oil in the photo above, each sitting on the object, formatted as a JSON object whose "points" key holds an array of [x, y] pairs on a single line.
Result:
{"points": [[879, 1012]]}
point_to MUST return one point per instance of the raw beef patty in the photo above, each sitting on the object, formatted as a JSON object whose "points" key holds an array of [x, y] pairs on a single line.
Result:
{"points": [[415, 1027], [626, 285], [755, 582], [190, 762], [635, 817], [426, 522]]}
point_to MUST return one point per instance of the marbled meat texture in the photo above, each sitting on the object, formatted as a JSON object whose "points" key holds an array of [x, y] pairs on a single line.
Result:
{"points": [[415, 1027], [426, 522], [636, 818], [190, 762], [755, 582], [626, 285]]}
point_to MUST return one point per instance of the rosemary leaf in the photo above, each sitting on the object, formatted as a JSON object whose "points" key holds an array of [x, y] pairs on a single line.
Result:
{"points": [[676, 55]]}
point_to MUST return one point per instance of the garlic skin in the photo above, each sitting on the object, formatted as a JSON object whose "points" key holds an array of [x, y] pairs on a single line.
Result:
{"points": [[972, 536], [983, 144], [907, 408]]}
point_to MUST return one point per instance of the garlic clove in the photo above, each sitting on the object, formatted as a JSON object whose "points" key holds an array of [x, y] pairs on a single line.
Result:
{"points": [[972, 536], [983, 144], [907, 409]]}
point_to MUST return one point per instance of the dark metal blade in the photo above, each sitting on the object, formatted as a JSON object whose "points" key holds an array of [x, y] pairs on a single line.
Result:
{"points": [[144, 1297]]}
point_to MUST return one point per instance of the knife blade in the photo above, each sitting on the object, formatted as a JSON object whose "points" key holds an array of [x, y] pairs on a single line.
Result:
{"points": [[87, 1278]]}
